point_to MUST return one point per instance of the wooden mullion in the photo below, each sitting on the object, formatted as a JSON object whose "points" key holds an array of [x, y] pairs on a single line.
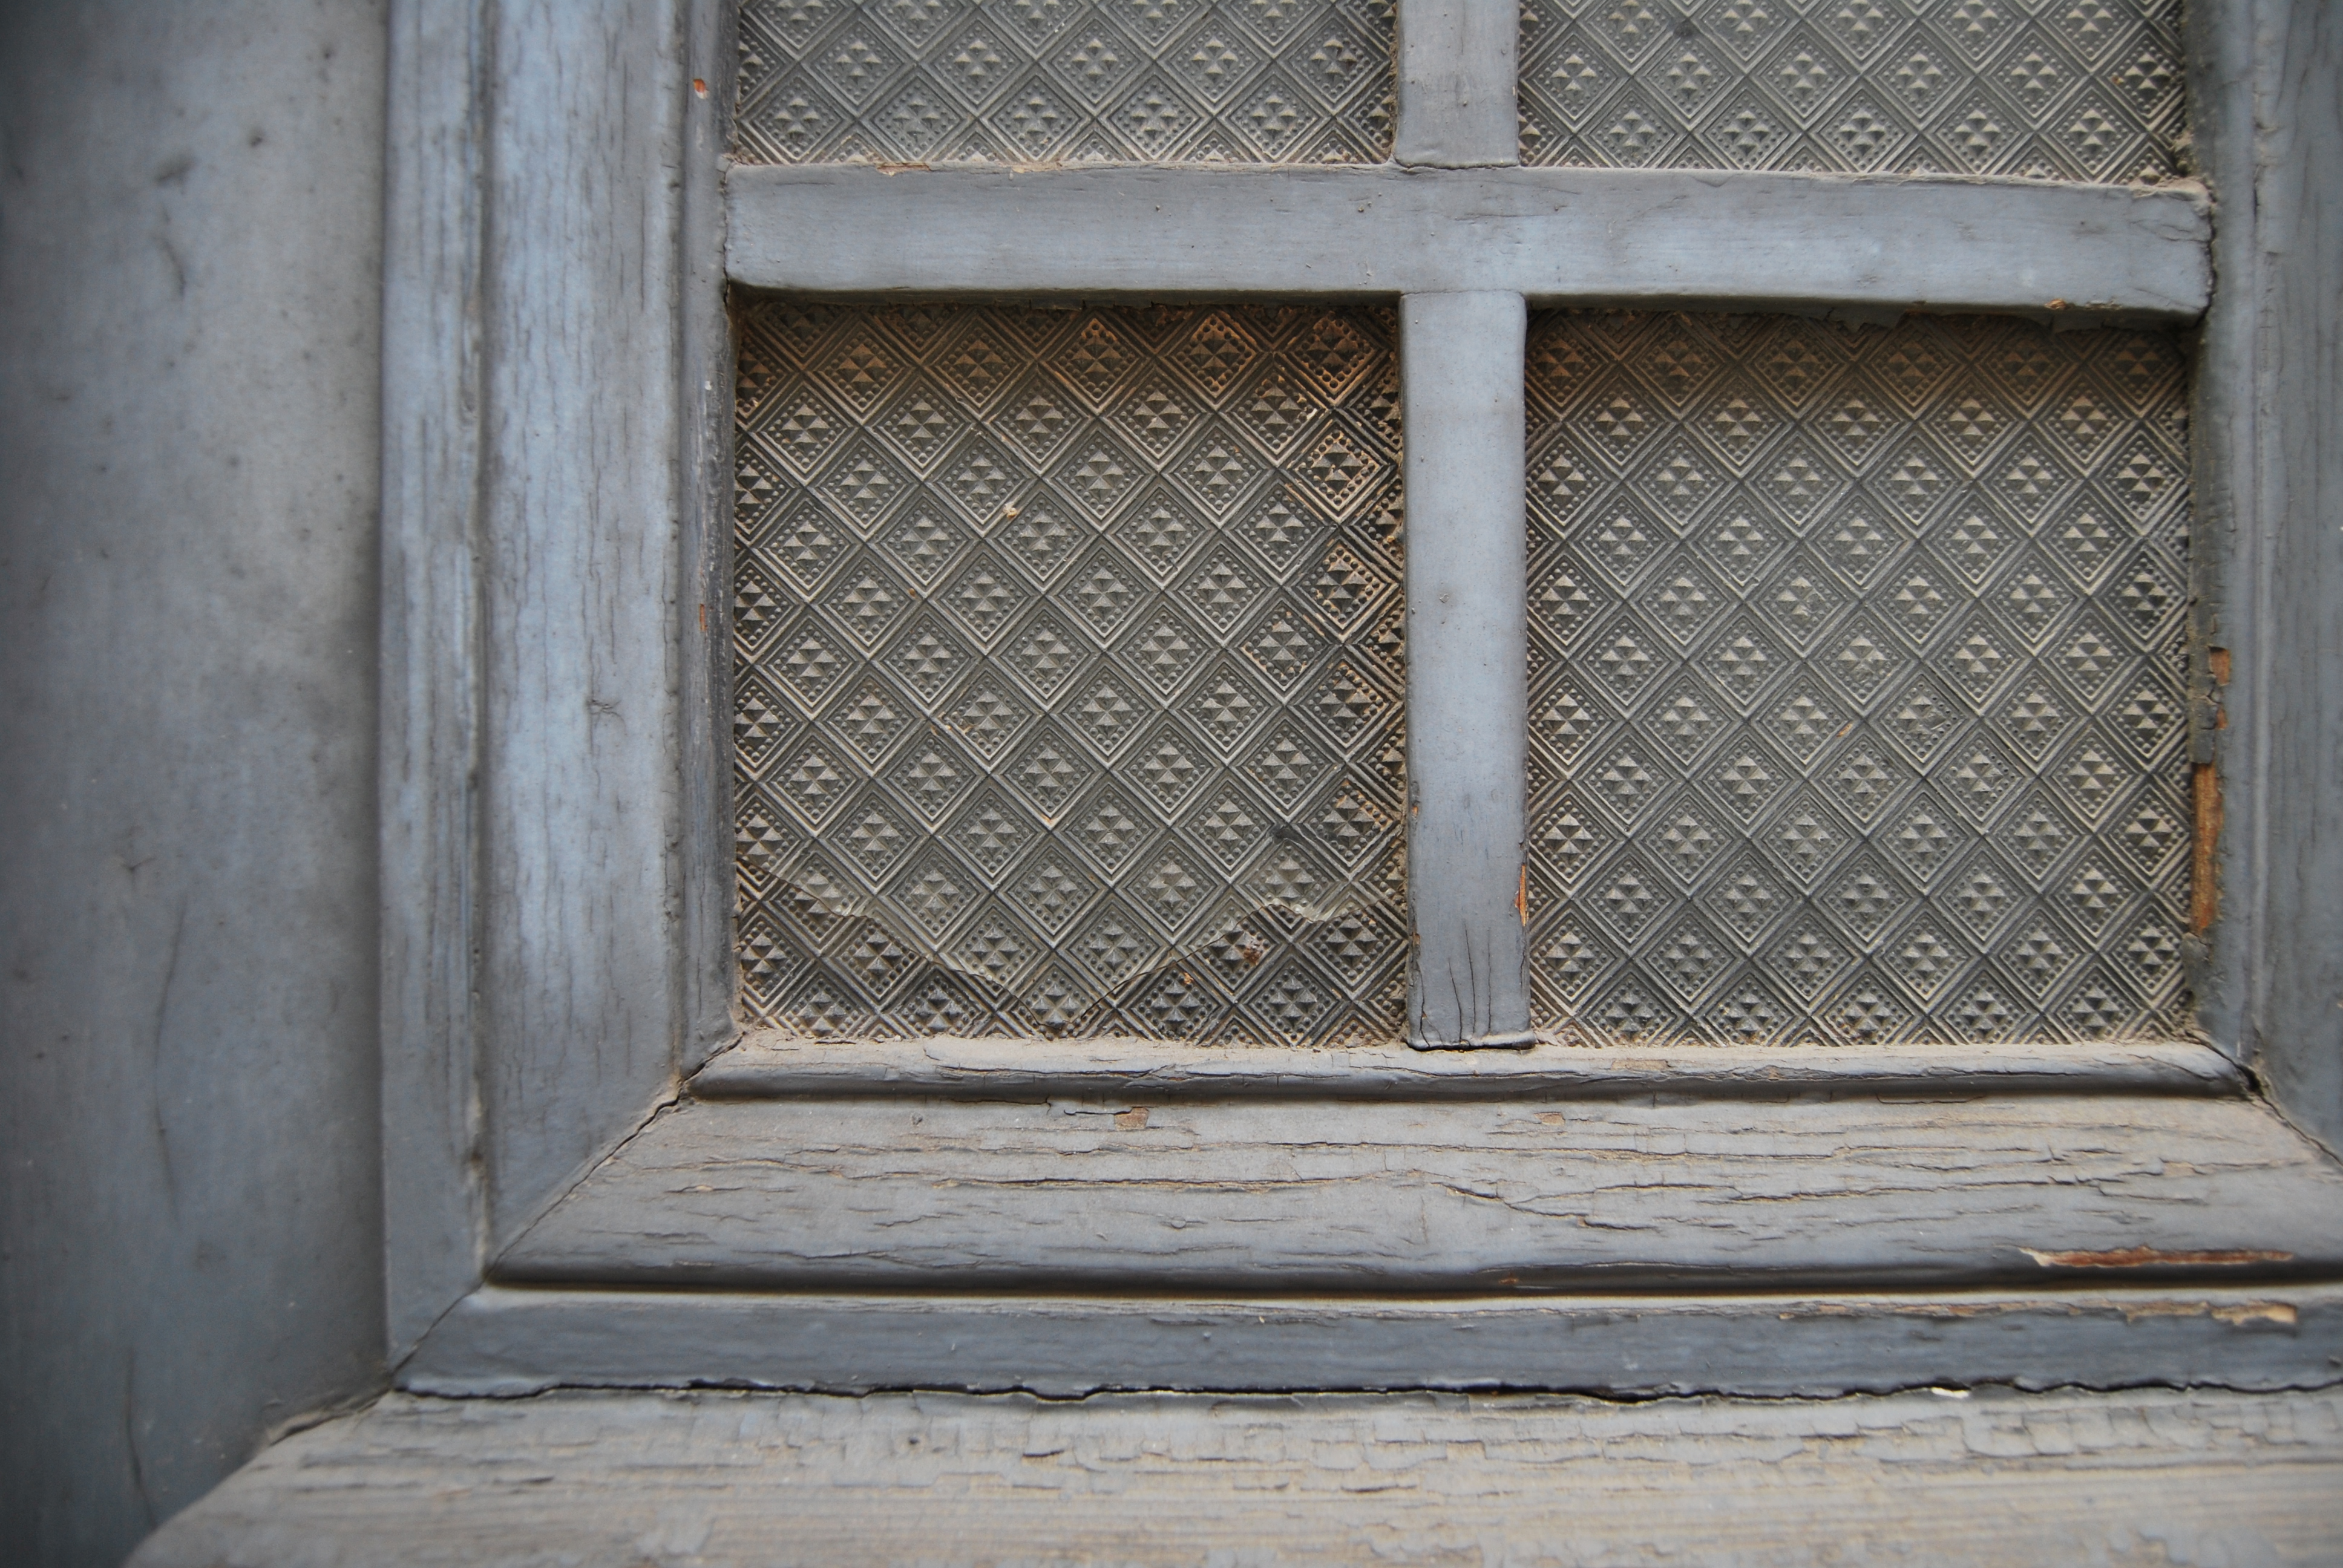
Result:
{"points": [[1456, 60], [1467, 697]]}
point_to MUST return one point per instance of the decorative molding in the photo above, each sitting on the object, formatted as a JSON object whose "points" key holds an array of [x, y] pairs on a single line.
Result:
{"points": [[534, 452], [515, 1342]]}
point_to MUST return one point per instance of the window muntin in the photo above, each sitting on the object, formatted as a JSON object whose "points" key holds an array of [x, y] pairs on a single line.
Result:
{"points": [[1066, 81], [1858, 678], [1068, 672], [2070, 90]]}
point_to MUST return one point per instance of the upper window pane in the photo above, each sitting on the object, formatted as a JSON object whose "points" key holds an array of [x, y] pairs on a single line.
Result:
{"points": [[2042, 89], [1037, 82], [1857, 680], [1068, 672]]}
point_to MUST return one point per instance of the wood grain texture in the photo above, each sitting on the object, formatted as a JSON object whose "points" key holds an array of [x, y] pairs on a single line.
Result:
{"points": [[1456, 85], [1660, 239], [2284, 367], [712, 1478], [502, 1340], [535, 379], [433, 1243], [766, 1063], [709, 972], [1467, 695], [1862, 1191], [579, 564]]}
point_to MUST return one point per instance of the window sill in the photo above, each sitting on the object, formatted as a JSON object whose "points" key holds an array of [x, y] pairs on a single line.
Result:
{"points": [[1112, 1215]]}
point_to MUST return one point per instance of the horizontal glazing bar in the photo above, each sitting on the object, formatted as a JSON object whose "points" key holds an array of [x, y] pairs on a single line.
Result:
{"points": [[1577, 236]]}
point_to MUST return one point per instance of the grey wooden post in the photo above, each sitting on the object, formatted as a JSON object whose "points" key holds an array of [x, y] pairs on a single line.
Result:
{"points": [[1467, 681]]}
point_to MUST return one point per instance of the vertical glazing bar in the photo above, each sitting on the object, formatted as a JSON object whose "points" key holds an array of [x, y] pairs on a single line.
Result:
{"points": [[1456, 64], [1467, 704]]}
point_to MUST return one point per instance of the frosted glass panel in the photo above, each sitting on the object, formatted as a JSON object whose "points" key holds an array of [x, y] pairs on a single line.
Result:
{"points": [[1056, 81], [1069, 681], [1857, 697], [2046, 90]]}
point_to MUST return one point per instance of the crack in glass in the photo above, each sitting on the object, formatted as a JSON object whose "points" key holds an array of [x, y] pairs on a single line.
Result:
{"points": [[1856, 680], [1040, 82], [2088, 90], [1068, 672]]}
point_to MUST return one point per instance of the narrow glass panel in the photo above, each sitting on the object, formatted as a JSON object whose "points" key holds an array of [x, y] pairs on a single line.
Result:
{"points": [[1069, 682], [1029, 82], [2069, 90], [1857, 691]]}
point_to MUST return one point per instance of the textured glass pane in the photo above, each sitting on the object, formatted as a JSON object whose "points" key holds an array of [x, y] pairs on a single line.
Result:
{"points": [[1856, 679], [1068, 671], [1065, 81], [2047, 89]]}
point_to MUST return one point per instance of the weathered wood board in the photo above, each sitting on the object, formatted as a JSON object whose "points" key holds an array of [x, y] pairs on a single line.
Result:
{"points": [[765, 1064], [717, 1479], [504, 1340], [1867, 1190]]}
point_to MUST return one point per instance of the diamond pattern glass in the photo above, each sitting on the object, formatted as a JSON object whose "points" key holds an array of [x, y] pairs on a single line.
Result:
{"points": [[1028, 82], [1068, 680], [1856, 680], [2046, 90]]}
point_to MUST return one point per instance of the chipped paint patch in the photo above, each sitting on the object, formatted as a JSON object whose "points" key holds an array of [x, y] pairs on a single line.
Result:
{"points": [[2156, 1257], [2203, 887], [2280, 1312]]}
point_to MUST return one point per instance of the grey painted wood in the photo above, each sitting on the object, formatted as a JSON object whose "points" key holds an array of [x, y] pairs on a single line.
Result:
{"points": [[190, 376], [578, 560], [1854, 1191], [2224, 557], [708, 981], [534, 706], [717, 1479], [431, 294], [1557, 235], [765, 1065], [1456, 85], [2270, 437], [1461, 391], [510, 1341]]}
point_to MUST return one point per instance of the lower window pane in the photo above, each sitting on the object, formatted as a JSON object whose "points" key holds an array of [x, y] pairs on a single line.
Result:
{"points": [[1068, 680], [1856, 679]]}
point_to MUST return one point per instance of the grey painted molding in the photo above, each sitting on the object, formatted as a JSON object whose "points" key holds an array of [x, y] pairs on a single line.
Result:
{"points": [[2269, 446], [536, 364], [512, 1342], [1141, 1071], [1456, 107], [709, 972], [1461, 388], [1570, 236], [433, 1231]]}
